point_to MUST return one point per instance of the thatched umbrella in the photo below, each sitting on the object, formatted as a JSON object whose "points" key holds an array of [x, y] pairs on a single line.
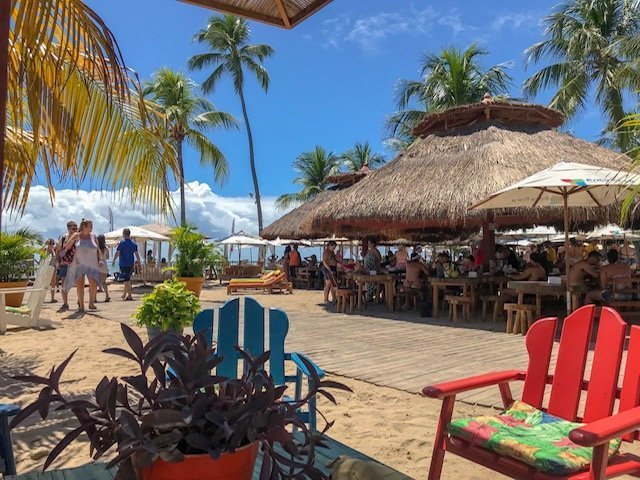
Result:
{"points": [[460, 157], [281, 13]]}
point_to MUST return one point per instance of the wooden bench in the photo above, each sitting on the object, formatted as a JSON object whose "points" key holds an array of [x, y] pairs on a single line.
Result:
{"points": [[519, 317], [456, 301]]}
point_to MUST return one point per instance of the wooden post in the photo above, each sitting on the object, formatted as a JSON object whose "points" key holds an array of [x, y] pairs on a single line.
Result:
{"points": [[488, 239], [5, 16]]}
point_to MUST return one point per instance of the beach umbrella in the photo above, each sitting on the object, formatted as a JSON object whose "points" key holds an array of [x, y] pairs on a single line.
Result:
{"points": [[137, 233], [242, 239], [613, 232], [565, 185]]}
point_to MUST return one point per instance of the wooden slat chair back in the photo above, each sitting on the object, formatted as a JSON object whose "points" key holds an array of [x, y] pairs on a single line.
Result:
{"points": [[258, 338], [560, 393], [35, 297]]}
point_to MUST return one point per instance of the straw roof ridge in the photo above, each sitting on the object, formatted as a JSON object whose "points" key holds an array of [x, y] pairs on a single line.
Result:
{"points": [[435, 180], [510, 112]]}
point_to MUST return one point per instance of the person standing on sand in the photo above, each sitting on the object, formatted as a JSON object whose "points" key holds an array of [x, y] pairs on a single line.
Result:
{"points": [[85, 263], [64, 260], [329, 267], [127, 252], [103, 253]]}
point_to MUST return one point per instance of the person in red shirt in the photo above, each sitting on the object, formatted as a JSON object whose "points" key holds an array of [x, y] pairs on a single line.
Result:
{"points": [[294, 257]]}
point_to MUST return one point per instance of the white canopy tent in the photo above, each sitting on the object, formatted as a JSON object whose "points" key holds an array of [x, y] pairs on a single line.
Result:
{"points": [[241, 240], [141, 237]]}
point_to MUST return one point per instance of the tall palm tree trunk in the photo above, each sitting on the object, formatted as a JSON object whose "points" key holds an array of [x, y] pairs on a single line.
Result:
{"points": [[252, 160], [183, 213], [5, 16]]}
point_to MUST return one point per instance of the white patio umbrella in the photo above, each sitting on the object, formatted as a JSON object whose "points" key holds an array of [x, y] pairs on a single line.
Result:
{"points": [[242, 239], [613, 232], [137, 233], [565, 185]]}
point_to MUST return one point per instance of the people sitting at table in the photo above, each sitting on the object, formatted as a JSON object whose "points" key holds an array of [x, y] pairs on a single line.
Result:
{"points": [[468, 264], [389, 260], [312, 261], [415, 271], [329, 268], [585, 272], [591, 247], [507, 260], [401, 257], [372, 263], [534, 271], [628, 254], [552, 256], [613, 276]]}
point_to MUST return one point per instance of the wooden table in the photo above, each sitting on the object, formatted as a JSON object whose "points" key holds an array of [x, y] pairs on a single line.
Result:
{"points": [[469, 286], [96, 471], [385, 279], [539, 289]]}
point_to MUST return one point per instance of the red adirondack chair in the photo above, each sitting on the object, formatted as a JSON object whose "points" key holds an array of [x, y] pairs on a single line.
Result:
{"points": [[567, 386]]}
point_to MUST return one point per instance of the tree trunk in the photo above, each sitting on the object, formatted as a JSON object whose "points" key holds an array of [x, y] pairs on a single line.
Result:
{"points": [[252, 161], [5, 15], [183, 213]]}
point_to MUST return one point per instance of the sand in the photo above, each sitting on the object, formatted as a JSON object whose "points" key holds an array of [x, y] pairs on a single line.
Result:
{"points": [[393, 426]]}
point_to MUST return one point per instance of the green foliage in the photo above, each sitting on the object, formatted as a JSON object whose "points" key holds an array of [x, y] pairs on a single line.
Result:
{"points": [[450, 78], [312, 167], [360, 155], [194, 253], [170, 306], [593, 47], [17, 252]]}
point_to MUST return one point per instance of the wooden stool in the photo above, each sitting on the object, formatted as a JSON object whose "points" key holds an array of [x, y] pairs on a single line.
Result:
{"points": [[343, 296], [523, 318], [408, 297], [495, 301], [465, 307]]}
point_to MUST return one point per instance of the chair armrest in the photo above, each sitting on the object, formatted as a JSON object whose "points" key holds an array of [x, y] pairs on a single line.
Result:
{"points": [[296, 358], [447, 389], [7, 291], [601, 431]]}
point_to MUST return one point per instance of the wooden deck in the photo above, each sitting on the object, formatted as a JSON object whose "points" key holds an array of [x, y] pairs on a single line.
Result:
{"points": [[398, 349]]}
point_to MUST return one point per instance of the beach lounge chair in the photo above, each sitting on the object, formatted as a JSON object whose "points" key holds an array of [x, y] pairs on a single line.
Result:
{"points": [[539, 437], [256, 330], [270, 282], [28, 315]]}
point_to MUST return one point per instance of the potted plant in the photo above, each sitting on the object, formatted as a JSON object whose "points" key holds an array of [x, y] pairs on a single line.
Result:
{"points": [[17, 252], [191, 423], [169, 307], [193, 257]]}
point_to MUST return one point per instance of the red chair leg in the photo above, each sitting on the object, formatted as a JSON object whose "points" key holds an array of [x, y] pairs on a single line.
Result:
{"points": [[437, 459], [599, 462]]}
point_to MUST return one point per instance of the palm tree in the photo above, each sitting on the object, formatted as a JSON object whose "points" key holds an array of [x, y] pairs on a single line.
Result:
{"points": [[188, 117], [313, 168], [227, 38], [450, 78], [360, 155], [73, 111], [594, 47]]}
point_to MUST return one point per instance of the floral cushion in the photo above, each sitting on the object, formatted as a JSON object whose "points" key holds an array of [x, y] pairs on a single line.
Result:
{"points": [[19, 310], [531, 436]]}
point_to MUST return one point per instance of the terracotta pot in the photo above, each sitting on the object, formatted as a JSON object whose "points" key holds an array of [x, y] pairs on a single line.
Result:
{"points": [[193, 284], [14, 299], [238, 465]]}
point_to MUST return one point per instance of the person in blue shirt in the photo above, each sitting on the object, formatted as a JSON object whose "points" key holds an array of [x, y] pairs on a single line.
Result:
{"points": [[127, 253]]}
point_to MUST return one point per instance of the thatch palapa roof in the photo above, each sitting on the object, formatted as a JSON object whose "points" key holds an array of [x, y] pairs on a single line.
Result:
{"points": [[462, 156], [281, 13]]}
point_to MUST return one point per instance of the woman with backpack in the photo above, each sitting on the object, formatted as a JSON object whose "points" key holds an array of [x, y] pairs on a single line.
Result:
{"points": [[85, 263]]}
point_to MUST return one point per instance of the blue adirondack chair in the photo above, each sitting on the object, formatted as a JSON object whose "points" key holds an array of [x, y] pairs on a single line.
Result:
{"points": [[254, 343]]}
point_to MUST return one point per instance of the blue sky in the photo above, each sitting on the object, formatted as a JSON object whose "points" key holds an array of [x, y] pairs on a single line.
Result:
{"points": [[332, 77], [332, 83]]}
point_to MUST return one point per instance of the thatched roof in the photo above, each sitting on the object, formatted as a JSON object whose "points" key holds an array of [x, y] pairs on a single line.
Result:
{"points": [[345, 179], [160, 228], [296, 224], [427, 190], [281, 13]]}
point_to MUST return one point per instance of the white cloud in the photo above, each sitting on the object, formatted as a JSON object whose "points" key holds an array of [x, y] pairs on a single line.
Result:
{"points": [[453, 21], [370, 32], [516, 21], [212, 213]]}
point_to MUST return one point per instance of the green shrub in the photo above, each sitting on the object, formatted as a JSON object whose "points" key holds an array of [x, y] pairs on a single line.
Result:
{"points": [[194, 253], [17, 253], [170, 306]]}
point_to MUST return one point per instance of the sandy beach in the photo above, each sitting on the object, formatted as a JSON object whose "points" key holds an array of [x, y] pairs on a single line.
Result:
{"points": [[394, 426]]}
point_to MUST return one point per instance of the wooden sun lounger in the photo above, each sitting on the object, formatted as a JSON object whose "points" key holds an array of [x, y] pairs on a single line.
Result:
{"points": [[270, 283]]}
